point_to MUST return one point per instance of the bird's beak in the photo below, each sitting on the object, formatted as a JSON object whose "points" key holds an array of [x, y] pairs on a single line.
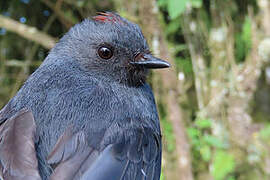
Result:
{"points": [[149, 61]]}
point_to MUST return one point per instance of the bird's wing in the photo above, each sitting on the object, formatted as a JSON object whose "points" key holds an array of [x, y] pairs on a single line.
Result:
{"points": [[134, 156], [17, 151], [73, 159], [144, 153], [138, 158], [139, 146]]}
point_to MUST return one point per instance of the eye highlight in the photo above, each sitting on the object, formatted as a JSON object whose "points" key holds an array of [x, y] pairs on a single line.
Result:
{"points": [[105, 52]]}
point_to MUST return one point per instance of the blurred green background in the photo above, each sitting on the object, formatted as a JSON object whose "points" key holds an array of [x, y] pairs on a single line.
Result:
{"points": [[214, 102]]}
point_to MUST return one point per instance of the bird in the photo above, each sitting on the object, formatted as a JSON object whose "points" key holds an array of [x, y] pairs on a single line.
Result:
{"points": [[87, 112]]}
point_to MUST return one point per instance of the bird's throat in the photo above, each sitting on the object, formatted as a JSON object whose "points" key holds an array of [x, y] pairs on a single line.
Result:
{"points": [[137, 77]]}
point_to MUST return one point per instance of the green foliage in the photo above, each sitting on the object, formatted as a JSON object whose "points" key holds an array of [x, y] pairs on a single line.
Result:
{"points": [[206, 153], [243, 41], [201, 141], [265, 133], [161, 175], [194, 134], [176, 7], [173, 27], [203, 123], [223, 164], [168, 135], [162, 3], [196, 3], [231, 178], [184, 65], [246, 36], [210, 149], [213, 141]]}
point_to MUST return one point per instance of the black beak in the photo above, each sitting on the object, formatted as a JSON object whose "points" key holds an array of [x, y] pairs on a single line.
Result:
{"points": [[150, 62]]}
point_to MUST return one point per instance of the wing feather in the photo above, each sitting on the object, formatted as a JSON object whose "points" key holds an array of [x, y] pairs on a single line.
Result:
{"points": [[74, 159], [17, 150]]}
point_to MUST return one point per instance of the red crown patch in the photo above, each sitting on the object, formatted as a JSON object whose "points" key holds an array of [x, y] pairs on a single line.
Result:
{"points": [[107, 17]]}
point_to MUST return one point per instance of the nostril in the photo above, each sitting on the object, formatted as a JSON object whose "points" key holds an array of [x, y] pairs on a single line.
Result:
{"points": [[139, 57]]}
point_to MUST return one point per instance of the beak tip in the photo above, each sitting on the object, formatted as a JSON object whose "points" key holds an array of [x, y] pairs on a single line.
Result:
{"points": [[161, 66], [168, 65]]}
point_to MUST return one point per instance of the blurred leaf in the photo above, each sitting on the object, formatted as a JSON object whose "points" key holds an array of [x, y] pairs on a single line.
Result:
{"points": [[180, 47], [80, 3], [168, 134], [173, 26], [184, 65], [176, 7], [243, 41], [194, 134], [161, 175], [203, 123], [223, 164], [231, 178], [213, 141], [196, 3], [162, 3], [240, 48], [265, 132], [206, 153], [246, 35]]}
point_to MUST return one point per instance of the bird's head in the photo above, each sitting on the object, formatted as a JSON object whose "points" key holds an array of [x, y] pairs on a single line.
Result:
{"points": [[110, 47]]}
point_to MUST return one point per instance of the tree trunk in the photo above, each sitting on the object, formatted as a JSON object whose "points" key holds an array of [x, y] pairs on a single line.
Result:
{"points": [[149, 16]]}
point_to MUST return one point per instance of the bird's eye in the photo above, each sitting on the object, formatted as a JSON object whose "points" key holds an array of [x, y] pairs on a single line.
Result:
{"points": [[105, 52]]}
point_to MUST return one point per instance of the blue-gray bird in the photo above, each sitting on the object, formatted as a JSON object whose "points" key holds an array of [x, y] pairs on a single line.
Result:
{"points": [[87, 111]]}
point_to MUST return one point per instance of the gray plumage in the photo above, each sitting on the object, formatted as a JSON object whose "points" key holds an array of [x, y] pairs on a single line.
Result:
{"points": [[107, 100]]}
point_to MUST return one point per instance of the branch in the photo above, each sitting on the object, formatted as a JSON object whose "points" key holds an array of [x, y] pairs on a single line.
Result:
{"points": [[67, 22], [28, 32], [192, 35], [19, 63]]}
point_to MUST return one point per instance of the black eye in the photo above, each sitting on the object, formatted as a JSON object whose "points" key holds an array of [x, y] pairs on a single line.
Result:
{"points": [[105, 52]]}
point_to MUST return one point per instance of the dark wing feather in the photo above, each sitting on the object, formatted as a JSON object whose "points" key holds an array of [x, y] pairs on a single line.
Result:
{"points": [[148, 166], [69, 154], [141, 148], [17, 150], [106, 166], [74, 159]]}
